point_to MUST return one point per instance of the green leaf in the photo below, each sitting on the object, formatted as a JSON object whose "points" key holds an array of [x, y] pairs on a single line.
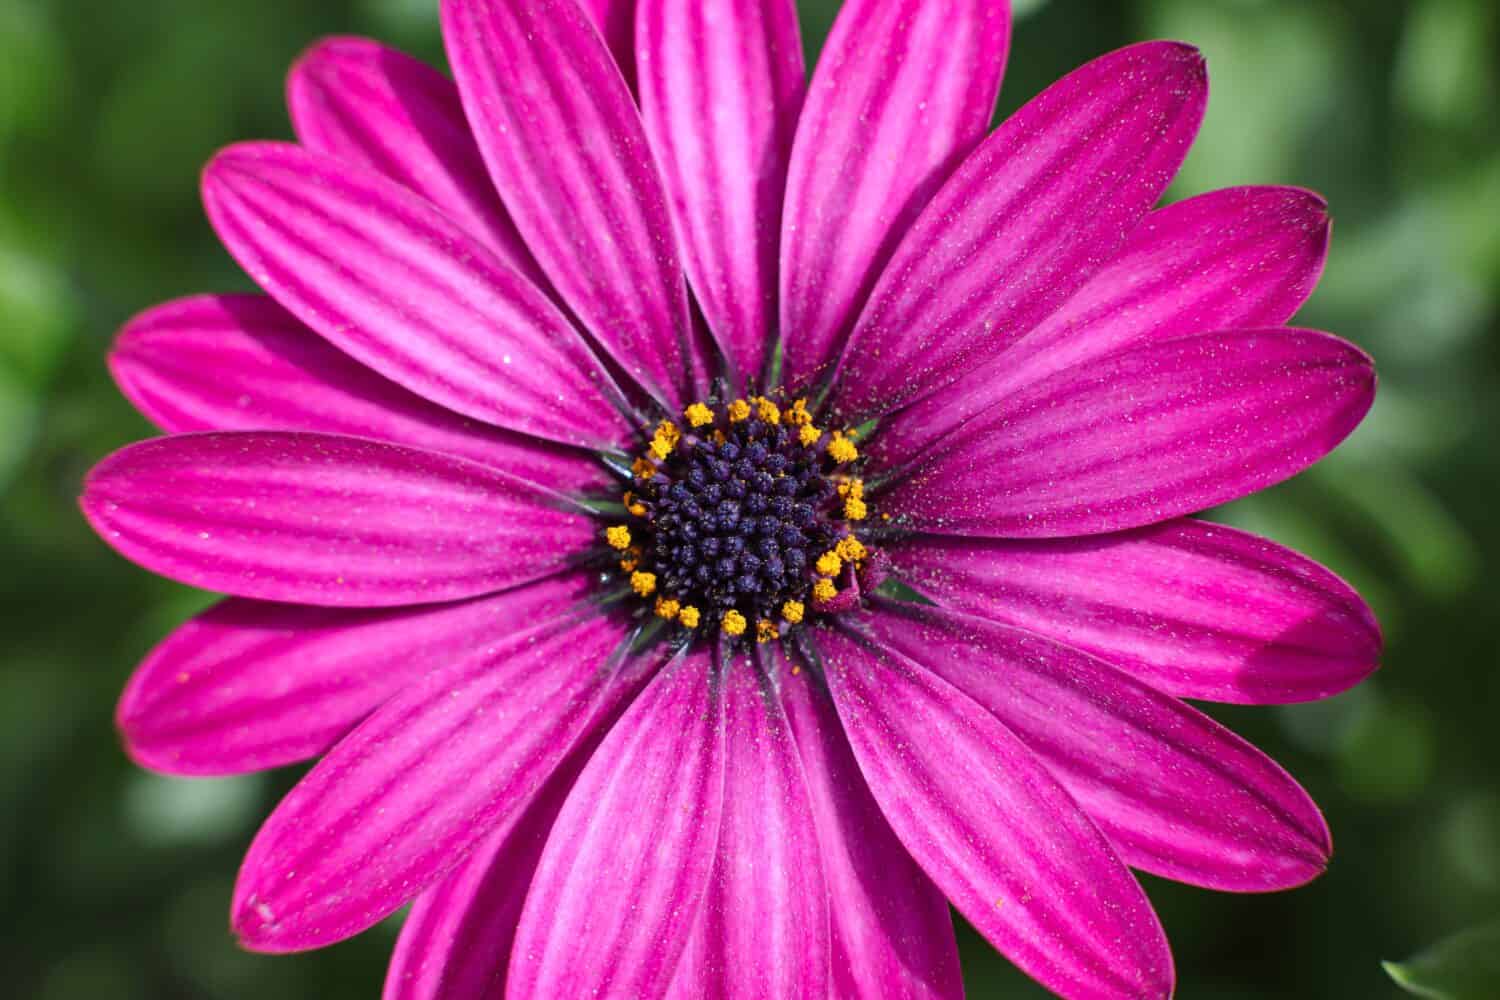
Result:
{"points": [[1464, 967]]}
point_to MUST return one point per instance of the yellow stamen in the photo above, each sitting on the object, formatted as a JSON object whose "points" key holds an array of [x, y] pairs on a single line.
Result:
{"points": [[808, 435], [630, 562], [719, 437], [698, 415], [667, 608], [643, 583], [618, 537], [797, 414], [855, 509], [824, 590], [667, 431], [688, 617], [633, 505], [766, 630], [734, 623], [660, 449], [642, 468], [793, 611], [739, 410], [853, 488], [767, 410], [841, 449], [851, 549], [829, 563]]}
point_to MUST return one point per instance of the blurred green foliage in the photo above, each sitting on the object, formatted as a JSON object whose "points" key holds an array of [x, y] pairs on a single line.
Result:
{"points": [[116, 883]]}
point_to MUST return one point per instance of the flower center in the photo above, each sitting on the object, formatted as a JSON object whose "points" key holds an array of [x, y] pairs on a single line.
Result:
{"points": [[743, 517]]}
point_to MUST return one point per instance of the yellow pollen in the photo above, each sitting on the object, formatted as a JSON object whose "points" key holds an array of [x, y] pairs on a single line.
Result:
{"points": [[734, 623], [630, 562], [667, 431], [797, 414], [824, 590], [660, 448], [829, 563], [688, 617], [855, 509], [667, 608], [618, 537], [767, 410], [851, 549], [739, 410], [766, 630], [792, 611], [841, 449], [719, 437], [642, 468], [808, 435], [638, 509], [698, 415], [643, 583], [853, 488]]}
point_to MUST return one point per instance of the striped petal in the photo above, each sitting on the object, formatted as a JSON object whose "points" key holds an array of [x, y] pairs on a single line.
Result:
{"points": [[1194, 609], [402, 800], [1143, 436], [996, 832], [903, 91], [628, 864], [615, 20], [1238, 258], [392, 282], [1045, 202], [251, 685], [320, 519], [1178, 794], [567, 151], [721, 82], [241, 362], [373, 106]]}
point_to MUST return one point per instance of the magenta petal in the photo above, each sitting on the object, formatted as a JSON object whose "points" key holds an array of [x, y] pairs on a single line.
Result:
{"points": [[1143, 436], [902, 92], [1193, 609], [615, 20], [762, 929], [996, 832], [321, 519], [1177, 793], [721, 82], [568, 153], [1043, 203], [456, 943], [371, 105], [628, 864], [402, 800], [1238, 258], [249, 685], [892, 933], [391, 281], [241, 362]]}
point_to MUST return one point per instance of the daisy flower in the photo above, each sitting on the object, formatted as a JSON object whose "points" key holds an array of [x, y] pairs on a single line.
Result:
{"points": [[705, 520]]}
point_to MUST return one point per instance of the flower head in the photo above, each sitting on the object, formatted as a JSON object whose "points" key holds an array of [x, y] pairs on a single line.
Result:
{"points": [[641, 655]]}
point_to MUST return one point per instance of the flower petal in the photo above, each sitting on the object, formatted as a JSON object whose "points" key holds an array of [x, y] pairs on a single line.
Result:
{"points": [[891, 930], [371, 105], [1242, 257], [721, 82], [392, 282], [994, 830], [1143, 436], [1042, 204], [568, 153], [1178, 794], [762, 929], [630, 857], [615, 20], [456, 943], [902, 92], [404, 798], [250, 685], [1194, 609], [327, 520], [241, 362]]}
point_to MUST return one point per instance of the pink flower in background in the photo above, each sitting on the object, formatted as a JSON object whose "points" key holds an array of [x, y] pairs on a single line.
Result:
{"points": [[576, 481]]}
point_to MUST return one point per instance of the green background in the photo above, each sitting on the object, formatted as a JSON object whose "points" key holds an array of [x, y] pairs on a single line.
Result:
{"points": [[116, 882]]}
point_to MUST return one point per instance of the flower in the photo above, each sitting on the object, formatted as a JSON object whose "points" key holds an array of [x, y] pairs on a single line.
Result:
{"points": [[712, 645]]}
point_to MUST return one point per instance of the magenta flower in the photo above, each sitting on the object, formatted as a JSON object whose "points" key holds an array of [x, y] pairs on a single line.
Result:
{"points": [[595, 594]]}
